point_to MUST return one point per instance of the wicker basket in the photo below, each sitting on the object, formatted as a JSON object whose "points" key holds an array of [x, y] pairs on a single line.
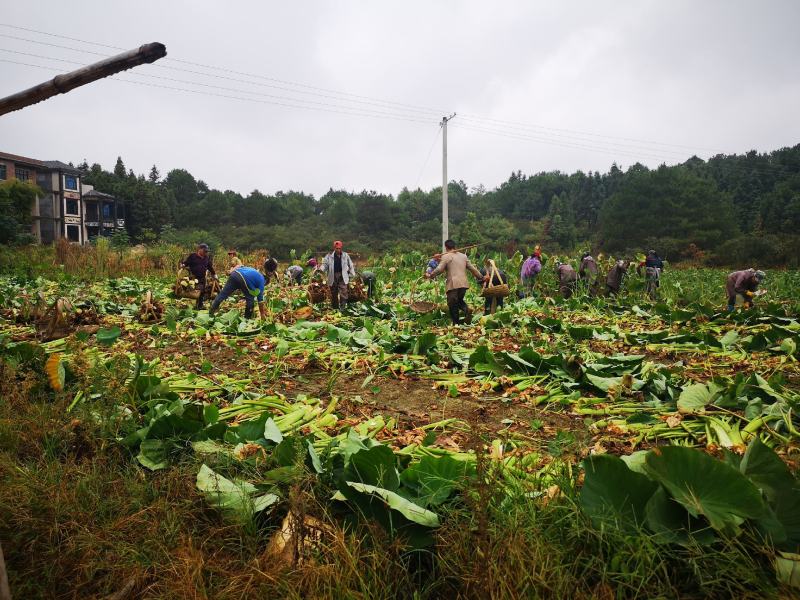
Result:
{"points": [[420, 306], [318, 292], [356, 291], [494, 291], [182, 291]]}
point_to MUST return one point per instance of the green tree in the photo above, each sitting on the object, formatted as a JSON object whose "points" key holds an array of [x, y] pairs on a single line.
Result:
{"points": [[16, 204]]}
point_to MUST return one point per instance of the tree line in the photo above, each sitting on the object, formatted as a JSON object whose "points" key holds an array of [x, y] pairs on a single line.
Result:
{"points": [[728, 209]]}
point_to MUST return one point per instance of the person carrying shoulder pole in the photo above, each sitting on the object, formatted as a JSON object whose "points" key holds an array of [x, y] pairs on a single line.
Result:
{"points": [[198, 263], [339, 269], [248, 281], [456, 264]]}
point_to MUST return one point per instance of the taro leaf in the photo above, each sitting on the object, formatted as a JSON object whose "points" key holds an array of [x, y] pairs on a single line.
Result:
{"points": [[635, 461], [210, 414], [408, 509], [765, 388], [483, 361], [107, 337], [375, 466], [606, 383], [764, 468], [425, 343], [249, 431], [787, 569], [753, 409], [786, 508], [580, 333], [706, 486], [789, 346], [730, 338], [672, 524], [354, 443], [316, 464], [434, 479], [271, 432], [694, 398], [237, 498], [362, 337], [613, 493], [153, 454]]}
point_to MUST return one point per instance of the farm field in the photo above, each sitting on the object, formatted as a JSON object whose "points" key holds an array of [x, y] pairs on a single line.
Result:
{"points": [[320, 453]]}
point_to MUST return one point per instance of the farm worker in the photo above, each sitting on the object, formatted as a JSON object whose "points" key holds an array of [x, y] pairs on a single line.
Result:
{"points": [[653, 265], [742, 285], [271, 269], [567, 279], [312, 264], [456, 264], [198, 263], [615, 277], [433, 263], [339, 268], [588, 272], [500, 278], [295, 275], [251, 283], [530, 271], [368, 277], [233, 261]]}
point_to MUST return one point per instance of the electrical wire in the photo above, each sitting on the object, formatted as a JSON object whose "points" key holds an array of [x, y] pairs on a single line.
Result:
{"points": [[428, 157]]}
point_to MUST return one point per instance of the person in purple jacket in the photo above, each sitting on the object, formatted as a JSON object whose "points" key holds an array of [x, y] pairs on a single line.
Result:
{"points": [[198, 263], [744, 284], [529, 272]]}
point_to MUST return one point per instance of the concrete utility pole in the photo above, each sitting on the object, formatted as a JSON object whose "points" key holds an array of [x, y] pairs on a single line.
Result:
{"points": [[61, 84], [445, 223]]}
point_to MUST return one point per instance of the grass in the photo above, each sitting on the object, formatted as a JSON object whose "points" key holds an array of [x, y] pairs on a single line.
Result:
{"points": [[82, 520]]}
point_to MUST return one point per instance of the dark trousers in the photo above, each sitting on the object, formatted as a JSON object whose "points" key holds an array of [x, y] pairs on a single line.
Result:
{"points": [[235, 282], [338, 291], [456, 304], [201, 285]]}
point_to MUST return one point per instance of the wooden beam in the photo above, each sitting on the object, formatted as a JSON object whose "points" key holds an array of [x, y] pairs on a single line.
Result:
{"points": [[61, 84]]}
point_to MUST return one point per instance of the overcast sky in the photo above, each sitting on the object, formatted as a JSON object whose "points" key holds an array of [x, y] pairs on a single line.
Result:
{"points": [[535, 85]]}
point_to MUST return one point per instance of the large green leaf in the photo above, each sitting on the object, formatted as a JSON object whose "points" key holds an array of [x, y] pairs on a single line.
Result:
{"points": [[107, 337], [604, 384], [237, 498], [153, 454], [612, 492], [694, 398], [673, 524], [412, 512], [764, 468], [706, 486], [434, 479], [374, 466], [787, 569]]}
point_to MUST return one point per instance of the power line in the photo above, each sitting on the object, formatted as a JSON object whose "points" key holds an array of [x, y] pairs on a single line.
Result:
{"points": [[428, 157]]}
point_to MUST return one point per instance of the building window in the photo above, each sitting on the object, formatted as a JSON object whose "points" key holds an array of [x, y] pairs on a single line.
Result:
{"points": [[3, 172], [22, 174], [91, 211], [71, 183], [108, 211], [72, 207], [73, 233]]}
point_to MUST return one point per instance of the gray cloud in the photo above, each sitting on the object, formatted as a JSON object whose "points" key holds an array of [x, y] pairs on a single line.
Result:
{"points": [[715, 75]]}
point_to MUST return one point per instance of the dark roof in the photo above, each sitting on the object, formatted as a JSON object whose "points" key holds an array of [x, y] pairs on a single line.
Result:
{"points": [[96, 194], [22, 159], [57, 165]]}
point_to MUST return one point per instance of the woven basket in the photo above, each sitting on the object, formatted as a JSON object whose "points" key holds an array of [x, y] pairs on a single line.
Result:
{"points": [[356, 291], [494, 291], [184, 292], [420, 306], [318, 292]]}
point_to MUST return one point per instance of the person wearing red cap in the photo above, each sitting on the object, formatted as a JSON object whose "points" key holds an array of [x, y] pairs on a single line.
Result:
{"points": [[339, 269]]}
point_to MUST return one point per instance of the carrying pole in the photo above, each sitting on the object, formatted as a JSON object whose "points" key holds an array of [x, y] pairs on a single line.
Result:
{"points": [[61, 84]]}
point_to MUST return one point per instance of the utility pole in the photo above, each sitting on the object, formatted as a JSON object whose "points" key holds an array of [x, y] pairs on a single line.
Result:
{"points": [[62, 84], [445, 223]]}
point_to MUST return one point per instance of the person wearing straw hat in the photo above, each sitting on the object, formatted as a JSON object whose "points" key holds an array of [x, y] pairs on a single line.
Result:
{"points": [[199, 263], [233, 261], [741, 287], [339, 268], [248, 281], [456, 264]]}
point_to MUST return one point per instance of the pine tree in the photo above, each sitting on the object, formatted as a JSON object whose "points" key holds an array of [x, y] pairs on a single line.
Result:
{"points": [[119, 168], [154, 175]]}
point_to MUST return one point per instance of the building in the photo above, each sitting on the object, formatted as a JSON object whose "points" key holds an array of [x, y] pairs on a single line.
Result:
{"points": [[68, 208]]}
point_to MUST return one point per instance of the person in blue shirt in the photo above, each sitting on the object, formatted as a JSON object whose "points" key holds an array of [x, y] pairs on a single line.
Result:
{"points": [[251, 283]]}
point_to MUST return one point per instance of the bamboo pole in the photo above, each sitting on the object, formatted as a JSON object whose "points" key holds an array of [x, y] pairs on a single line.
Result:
{"points": [[61, 84]]}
